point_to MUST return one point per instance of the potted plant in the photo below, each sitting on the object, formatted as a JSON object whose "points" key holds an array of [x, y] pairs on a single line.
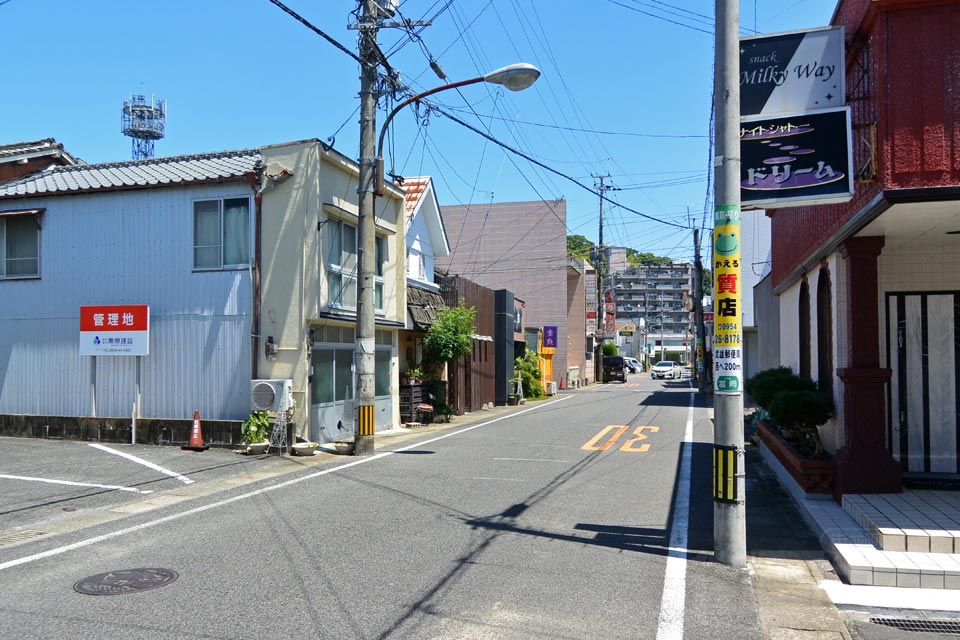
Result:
{"points": [[414, 375], [255, 433]]}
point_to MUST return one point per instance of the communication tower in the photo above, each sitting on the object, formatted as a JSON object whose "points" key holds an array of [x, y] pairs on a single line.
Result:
{"points": [[144, 123]]}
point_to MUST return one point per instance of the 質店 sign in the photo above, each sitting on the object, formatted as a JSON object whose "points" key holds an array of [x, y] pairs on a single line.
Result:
{"points": [[115, 330], [790, 72]]}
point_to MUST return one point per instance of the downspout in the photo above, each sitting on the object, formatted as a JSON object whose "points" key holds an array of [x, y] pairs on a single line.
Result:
{"points": [[254, 178]]}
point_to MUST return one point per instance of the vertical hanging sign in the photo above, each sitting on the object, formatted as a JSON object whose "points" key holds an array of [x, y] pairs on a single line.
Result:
{"points": [[728, 334]]}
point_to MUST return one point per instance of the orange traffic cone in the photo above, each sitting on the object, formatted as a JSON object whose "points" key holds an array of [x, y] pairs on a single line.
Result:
{"points": [[196, 435]]}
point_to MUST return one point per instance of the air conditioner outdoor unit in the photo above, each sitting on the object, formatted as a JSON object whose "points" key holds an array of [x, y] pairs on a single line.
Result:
{"points": [[551, 388], [267, 395]]}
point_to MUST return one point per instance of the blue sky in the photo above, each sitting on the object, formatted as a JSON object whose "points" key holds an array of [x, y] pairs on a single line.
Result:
{"points": [[625, 92]]}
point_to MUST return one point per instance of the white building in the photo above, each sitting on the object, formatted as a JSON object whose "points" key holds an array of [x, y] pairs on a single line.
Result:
{"points": [[247, 260]]}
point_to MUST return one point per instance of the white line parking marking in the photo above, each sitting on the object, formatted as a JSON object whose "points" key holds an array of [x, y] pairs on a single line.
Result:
{"points": [[74, 484], [183, 514], [167, 472], [670, 626]]}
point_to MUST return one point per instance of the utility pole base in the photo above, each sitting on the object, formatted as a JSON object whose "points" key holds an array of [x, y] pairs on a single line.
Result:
{"points": [[363, 445]]}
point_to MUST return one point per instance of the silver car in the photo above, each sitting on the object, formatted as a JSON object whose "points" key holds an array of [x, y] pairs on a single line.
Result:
{"points": [[633, 364], [666, 369]]}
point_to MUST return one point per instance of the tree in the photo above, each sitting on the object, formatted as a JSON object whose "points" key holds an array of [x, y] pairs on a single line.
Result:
{"points": [[634, 257], [451, 336], [579, 247]]}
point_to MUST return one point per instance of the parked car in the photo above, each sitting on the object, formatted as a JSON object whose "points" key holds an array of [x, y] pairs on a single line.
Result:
{"points": [[666, 369], [634, 365], [614, 368]]}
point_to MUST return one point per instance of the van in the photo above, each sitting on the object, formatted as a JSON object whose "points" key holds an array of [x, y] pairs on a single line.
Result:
{"points": [[614, 368]]}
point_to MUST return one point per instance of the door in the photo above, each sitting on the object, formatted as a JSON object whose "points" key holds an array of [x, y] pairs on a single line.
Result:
{"points": [[923, 352]]}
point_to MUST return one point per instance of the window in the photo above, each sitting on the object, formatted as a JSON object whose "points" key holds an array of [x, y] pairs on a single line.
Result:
{"points": [[804, 322], [342, 264], [221, 233], [824, 332], [19, 246]]}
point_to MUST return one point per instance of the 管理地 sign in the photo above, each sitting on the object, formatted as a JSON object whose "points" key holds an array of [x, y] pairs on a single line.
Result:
{"points": [[115, 330]]}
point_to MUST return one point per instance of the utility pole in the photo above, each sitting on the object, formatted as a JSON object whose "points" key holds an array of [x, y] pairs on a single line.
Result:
{"points": [[364, 348], [729, 508], [699, 350], [601, 274]]}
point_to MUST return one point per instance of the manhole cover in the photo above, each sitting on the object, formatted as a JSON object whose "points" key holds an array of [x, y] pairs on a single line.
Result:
{"points": [[117, 583]]}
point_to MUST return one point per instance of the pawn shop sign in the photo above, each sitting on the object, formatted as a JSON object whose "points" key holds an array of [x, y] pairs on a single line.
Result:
{"points": [[115, 330]]}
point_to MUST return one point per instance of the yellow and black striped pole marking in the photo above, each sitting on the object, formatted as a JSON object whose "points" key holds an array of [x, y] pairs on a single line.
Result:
{"points": [[365, 416], [724, 473]]}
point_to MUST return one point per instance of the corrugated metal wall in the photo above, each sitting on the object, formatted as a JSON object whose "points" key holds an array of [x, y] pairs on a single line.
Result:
{"points": [[131, 247]]}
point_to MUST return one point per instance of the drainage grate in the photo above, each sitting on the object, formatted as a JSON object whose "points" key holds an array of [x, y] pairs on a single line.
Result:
{"points": [[116, 583], [919, 624], [19, 536]]}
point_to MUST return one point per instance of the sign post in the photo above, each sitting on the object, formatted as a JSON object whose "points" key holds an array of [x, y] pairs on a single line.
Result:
{"points": [[115, 330]]}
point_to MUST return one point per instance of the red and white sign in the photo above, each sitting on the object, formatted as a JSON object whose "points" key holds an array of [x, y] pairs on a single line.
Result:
{"points": [[115, 330]]}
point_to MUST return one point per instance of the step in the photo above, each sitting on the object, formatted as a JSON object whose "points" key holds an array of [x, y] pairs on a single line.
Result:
{"points": [[913, 521]]}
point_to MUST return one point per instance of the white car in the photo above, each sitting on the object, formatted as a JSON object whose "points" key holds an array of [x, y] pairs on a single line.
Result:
{"points": [[666, 369]]}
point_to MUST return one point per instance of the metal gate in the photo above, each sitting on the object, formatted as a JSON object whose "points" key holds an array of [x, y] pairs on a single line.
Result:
{"points": [[923, 353]]}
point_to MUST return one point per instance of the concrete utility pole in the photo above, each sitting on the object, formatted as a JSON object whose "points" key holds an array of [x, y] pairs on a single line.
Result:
{"points": [[601, 307], [729, 512], [699, 349], [365, 346]]}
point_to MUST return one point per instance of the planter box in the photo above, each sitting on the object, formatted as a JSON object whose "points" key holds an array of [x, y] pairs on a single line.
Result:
{"points": [[812, 476]]}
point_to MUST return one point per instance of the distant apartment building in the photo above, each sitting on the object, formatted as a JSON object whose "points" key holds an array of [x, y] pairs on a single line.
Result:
{"points": [[651, 299]]}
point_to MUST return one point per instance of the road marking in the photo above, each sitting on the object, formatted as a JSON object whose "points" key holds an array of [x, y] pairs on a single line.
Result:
{"points": [[246, 496], [643, 448], [670, 626], [167, 472], [612, 440], [75, 484]]}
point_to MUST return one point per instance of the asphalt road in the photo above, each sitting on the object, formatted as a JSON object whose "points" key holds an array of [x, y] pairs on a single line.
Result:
{"points": [[555, 520]]}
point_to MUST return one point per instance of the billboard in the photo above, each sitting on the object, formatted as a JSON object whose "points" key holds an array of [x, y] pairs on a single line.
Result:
{"points": [[115, 330], [609, 315], [793, 71], [796, 159]]}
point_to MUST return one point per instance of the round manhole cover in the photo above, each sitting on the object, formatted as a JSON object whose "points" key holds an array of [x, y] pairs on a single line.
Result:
{"points": [[116, 583]]}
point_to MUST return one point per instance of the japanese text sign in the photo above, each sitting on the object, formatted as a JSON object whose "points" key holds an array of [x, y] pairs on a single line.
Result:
{"points": [[115, 330], [549, 337], [797, 159], [727, 333]]}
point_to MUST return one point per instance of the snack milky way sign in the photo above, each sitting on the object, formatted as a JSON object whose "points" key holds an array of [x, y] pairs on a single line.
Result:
{"points": [[790, 72], [797, 159]]}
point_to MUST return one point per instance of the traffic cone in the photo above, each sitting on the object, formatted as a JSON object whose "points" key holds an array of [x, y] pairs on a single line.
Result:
{"points": [[196, 435]]}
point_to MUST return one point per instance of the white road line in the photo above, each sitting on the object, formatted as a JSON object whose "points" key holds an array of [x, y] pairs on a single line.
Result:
{"points": [[166, 472], [530, 460], [74, 484], [670, 626], [183, 514]]}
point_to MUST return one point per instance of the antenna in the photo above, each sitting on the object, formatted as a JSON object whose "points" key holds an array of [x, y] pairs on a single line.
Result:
{"points": [[143, 123]]}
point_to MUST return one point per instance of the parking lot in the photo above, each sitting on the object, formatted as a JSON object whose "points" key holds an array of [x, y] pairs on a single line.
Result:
{"points": [[43, 482]]}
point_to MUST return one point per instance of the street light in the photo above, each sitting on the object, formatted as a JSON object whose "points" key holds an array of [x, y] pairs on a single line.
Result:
{"points": [[515, 77]]}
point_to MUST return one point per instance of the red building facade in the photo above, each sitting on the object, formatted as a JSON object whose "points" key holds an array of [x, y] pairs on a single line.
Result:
{"points": [[868, 289]]}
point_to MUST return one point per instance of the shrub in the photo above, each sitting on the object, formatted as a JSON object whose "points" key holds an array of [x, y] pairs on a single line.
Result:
{"points": [[804, 410], [527, 368], [609, 349], [765, 384]]}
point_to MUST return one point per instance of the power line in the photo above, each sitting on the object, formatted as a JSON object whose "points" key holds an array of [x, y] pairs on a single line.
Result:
{"points": [[443, 112], [308, 25]]}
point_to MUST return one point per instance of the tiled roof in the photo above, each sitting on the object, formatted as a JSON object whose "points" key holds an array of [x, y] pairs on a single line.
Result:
{"points": [[21, 148], [132, 174], [414, 188]]}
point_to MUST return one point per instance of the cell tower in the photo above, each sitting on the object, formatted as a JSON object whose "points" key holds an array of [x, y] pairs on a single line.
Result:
{"points": [[144, 123]]}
